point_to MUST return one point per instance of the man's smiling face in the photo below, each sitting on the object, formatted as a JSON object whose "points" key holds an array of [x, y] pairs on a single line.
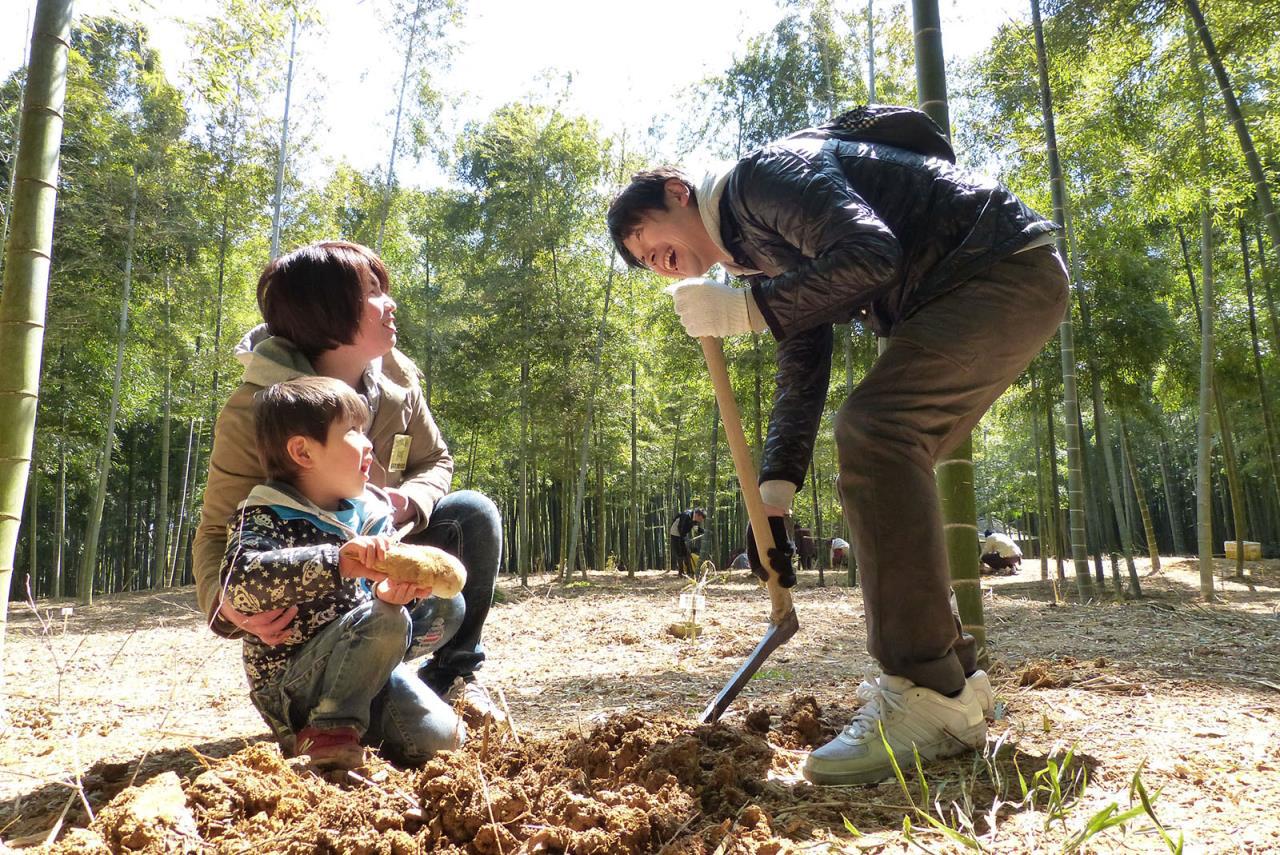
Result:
{"points": [[674, 242]]}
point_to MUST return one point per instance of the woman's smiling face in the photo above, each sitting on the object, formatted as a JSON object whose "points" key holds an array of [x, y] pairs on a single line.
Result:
{"points": [[376, 332]]}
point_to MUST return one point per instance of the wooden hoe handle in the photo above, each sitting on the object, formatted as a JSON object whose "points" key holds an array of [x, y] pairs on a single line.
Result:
{"points": [[779, 597]]}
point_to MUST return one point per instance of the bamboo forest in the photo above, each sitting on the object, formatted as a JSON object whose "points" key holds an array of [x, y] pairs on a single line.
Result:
{"points": [[625, 482]]}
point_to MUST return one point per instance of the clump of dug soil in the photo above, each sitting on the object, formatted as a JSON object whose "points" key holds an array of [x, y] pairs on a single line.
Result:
{"points": [[632, 784]]}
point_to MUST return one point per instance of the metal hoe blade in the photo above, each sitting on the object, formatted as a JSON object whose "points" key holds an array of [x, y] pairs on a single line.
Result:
{"points": [[774, 637]]}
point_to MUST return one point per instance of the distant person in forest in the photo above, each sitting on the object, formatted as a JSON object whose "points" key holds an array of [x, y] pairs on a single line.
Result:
{"points": [[867, 219], [684, 536], [839, 552], [1000, 553], [305, 539], [739, 560], [329, 312], [806, 549]]}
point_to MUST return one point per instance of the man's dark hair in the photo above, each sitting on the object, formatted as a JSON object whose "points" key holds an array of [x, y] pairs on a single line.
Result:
{"points": [[313, 295], [699, 511], [304, 406], [646, 192]]}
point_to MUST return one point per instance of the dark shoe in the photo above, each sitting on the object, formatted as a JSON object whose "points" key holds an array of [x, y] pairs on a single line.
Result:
{"points": [[331, 748]]}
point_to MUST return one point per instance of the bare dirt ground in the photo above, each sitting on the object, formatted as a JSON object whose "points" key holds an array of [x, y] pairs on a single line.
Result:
{"points": [[132, 710]]}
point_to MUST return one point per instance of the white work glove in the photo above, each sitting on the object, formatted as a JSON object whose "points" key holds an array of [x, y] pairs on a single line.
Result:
{"points": [[777, 495], [707, 307]]}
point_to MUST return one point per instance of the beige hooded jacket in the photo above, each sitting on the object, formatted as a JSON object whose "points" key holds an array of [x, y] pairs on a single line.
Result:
{"points": [[399, 408]]}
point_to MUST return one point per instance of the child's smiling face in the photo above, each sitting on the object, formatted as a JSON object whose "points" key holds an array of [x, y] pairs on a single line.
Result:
{"points": [[341, 463]]}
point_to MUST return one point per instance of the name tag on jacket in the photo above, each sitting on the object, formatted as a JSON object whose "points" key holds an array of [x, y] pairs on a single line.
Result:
{"points": [[399, 452]]}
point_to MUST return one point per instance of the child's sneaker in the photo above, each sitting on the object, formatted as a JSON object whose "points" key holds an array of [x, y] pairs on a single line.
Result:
{"points": [[331, 748]]}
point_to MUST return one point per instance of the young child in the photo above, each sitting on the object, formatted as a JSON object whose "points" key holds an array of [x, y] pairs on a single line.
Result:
{"points": [[308, 537]]}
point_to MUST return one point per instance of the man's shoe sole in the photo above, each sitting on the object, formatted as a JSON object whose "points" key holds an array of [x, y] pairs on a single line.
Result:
{"points": [[970, 740]]}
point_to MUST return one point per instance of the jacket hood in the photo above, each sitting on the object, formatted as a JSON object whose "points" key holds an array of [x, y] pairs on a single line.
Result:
{"points": [[271, 359], [291, 504]]}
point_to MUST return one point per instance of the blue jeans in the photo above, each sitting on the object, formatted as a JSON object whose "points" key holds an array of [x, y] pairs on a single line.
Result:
{"points": [[468, 525], [434, 623], [351, 674]]}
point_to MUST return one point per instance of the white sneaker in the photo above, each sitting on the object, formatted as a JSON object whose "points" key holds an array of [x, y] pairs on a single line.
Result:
{"points": [[472, 697], [912, 717], [980, 683]]}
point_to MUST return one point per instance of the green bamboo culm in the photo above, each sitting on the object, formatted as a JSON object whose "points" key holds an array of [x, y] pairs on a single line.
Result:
{"points": [[26, 270], [955, 472], [1066, 335], [1204, 424], [955, 476]]}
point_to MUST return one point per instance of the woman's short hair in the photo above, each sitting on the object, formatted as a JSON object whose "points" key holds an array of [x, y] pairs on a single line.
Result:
{"points": [[313, 295]]}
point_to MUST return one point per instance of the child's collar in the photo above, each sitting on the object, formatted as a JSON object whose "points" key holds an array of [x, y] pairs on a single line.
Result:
{"points": [[284, 496]]}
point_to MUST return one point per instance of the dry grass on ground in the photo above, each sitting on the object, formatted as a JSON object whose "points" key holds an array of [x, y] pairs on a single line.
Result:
{"points": [[133, 710]]}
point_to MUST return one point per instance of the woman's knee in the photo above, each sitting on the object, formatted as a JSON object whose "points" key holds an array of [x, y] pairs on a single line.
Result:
{"points": [[478, 509], [442, 731], [421, 724]]}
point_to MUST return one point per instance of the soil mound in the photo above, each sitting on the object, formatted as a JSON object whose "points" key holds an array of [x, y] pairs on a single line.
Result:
{"points": [[631, 784]]}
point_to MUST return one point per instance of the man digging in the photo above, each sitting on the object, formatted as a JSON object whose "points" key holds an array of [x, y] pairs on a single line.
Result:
{"points": [[867, 219], [683, 541]]}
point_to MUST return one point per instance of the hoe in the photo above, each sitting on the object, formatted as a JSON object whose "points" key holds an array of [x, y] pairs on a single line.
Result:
{"points": [[782, 617]]}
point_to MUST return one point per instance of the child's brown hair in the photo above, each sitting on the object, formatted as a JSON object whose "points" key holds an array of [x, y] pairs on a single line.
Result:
{"points": [[305, 406]]}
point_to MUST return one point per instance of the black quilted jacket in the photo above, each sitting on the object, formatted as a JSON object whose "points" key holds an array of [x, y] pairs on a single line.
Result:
{"points": [[848, 230]]}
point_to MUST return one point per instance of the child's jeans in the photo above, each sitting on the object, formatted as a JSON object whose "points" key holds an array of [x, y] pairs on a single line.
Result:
{"points": [[435, 622], [351, 674]]}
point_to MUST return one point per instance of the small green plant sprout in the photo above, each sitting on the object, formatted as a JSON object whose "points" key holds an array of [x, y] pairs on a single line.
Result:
{"points": [[962, 832], [771, 674], [1112, 817], [1061, 785], [1056, 789], [1148, 802]]}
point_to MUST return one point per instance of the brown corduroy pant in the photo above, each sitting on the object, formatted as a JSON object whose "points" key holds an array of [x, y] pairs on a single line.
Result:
{"points": [[942, 369]]}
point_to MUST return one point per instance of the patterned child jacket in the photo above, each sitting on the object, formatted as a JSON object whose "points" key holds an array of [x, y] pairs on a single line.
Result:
{"points": [[282, 550]]}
